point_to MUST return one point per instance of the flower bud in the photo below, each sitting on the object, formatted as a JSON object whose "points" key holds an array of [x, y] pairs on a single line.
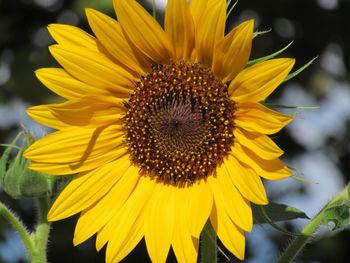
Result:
{"points": [[15, 177]]}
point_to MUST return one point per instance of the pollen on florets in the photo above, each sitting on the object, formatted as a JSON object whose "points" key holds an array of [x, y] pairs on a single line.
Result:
{"points": [[179, 122]]}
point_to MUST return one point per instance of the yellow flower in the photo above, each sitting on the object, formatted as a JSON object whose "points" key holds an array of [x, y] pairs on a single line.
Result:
{"points": [[163, 128]]}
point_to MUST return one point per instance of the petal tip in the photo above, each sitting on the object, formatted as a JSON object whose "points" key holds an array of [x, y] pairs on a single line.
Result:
{"points": [[38, 71], [53, 215], [53, 47], [26, 154], [76, 240], [289, 62], [250, 23], [90, 11], [50, 26], [30, 109], [264, 201], [53, 28]]}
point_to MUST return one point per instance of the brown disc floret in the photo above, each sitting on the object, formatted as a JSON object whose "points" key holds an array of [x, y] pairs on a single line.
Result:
{"points": [[179, 122]]}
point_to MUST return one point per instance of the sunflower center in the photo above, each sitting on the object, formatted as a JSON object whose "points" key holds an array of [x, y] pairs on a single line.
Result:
{"points": [[179, 122], [178, 126]]}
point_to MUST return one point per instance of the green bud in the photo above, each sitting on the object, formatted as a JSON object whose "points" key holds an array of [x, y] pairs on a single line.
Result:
{"points": [[15, 177]]}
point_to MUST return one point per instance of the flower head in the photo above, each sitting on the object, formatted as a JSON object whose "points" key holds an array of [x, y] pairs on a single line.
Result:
{"points": [[163, 128]]}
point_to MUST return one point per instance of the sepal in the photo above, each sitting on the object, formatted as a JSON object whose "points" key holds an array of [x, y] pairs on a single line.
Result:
{"points": [[15, 178]]}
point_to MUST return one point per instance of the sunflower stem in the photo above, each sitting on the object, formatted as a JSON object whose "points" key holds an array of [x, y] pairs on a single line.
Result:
{"points": [[208, 244], [19, 227], [42, 230], [299, 242]]}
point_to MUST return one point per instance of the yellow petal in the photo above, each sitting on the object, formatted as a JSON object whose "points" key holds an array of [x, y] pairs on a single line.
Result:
{"points": [[67, 35], [210, 30], [233, 51], [234, 199], [80, 166], [261, 144], [43, 115], [269, 169], [97, 216], [95, 111], [94, 68], [229, 234], [199, 207], [257, 82], [160, 222], [71, 144], [198, 8], [184, 245], [180, 28], [74, 150], [130, 241], [246, 180], [227, 196], [147, 35], [109, 33], [126, 229], [86, 189], [64, 85], [254, 117]]}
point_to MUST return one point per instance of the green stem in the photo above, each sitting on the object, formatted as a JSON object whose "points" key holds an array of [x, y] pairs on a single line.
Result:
{"points": [[20, 228], [208, 244], [298, 243], [41, 234], [306, 234]]}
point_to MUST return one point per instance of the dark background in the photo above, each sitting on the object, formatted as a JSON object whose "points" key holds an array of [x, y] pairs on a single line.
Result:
{"points": [[318, 28]]}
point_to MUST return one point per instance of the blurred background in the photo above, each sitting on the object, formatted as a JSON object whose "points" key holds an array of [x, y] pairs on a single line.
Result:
{"points": [[317, 142]]}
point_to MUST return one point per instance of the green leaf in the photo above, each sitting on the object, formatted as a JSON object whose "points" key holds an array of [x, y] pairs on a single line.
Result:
{"points": [[222, 252], [10, 146], [232, 7], [299, 176], [338, 211], [4, 160], [280, 106], [297, 72], [260, 33], [252, 62], [338, 215], [208, 244], [303, 180], [276, 212]]}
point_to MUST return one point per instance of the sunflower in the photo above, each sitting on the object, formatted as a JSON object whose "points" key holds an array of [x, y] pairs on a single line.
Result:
{"points": [[163, 128]]}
